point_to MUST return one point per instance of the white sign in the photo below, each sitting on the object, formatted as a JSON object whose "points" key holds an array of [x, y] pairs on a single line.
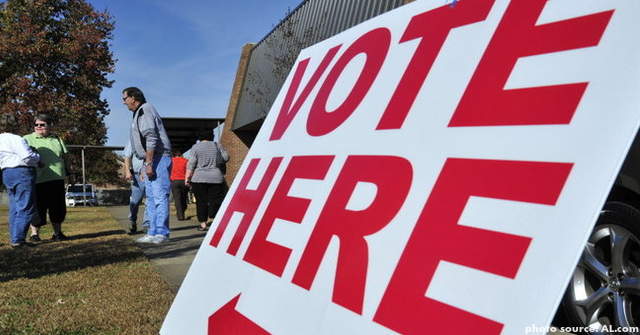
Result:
{"points": [[435, 170]]}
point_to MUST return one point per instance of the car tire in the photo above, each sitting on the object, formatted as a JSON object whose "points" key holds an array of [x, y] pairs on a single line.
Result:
{"points": [[604, 290]]}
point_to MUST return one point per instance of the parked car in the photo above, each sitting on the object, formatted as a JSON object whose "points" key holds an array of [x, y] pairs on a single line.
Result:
{"points": [[604, 290], [79, 194]]}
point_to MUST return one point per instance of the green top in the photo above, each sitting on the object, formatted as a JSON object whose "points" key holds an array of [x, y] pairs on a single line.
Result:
{"points": [[51, 150]]}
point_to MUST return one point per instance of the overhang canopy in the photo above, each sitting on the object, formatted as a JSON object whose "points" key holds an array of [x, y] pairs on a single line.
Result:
{"points": [[183, 132]]}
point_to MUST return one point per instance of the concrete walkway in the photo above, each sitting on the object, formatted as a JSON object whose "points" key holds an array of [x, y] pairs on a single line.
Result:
{"points": [[171, 259]]}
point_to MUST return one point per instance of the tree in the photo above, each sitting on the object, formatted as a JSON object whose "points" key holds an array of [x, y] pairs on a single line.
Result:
{"points": [[107, 163], [55, 58]]}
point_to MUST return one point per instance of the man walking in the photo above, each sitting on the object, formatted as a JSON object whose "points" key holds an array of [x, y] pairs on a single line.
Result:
{"points": [[178, 188], [18, 163], [132, 168], [149, 142]]}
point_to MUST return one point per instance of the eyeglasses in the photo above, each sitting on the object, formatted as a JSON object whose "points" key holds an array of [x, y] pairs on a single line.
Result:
{"points": [[40, 124]]}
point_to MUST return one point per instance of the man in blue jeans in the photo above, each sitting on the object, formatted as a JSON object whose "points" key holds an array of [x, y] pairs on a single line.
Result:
{"points": [[18, 162], [149, 142], [132, 168]]}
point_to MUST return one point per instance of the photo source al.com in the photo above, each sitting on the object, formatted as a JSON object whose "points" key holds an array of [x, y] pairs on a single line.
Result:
{"points": [[605, 329]]}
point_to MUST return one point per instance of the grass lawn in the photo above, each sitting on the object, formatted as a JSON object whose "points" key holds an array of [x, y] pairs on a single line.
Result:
{"points": [[98, 282]]}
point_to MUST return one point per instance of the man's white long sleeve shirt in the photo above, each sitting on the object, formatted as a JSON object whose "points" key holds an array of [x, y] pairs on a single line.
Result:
{"points": [[15, 152]]}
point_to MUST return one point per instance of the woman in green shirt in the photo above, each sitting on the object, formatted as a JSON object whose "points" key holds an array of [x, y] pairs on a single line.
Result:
{"points": [[50, 190]]}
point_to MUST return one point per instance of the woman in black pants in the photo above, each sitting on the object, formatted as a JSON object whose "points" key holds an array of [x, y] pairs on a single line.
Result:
{"points": [[205, 177]]}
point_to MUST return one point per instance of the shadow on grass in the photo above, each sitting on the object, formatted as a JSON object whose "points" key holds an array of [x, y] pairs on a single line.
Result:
{"points": [[98, 234], [52, 258]]}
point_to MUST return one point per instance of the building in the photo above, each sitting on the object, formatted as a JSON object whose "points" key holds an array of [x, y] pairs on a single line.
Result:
{"points": [[183, 132], [264, 66]]}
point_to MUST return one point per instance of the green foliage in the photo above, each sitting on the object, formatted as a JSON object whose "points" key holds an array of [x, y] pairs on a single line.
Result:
{"points": [[55, 58]]}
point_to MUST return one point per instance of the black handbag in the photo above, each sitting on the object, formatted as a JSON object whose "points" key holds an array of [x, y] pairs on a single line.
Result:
{"points": [[220, 163]]}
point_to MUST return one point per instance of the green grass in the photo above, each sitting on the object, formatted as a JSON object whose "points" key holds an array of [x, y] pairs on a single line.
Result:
{"points": [[98, 282]]}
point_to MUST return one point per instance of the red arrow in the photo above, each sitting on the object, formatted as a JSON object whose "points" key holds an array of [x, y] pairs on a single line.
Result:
{"points": [[228, 321]]}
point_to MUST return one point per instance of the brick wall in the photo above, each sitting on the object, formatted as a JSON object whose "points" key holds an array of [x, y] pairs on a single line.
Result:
{"points": [[231, 141]]}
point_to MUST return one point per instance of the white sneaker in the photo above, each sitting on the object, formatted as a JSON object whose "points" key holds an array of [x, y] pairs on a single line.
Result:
{"points": [[145, 239], [158, 239]]}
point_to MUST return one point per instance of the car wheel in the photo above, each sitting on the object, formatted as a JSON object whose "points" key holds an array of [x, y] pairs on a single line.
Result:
{"points": [[604, 291]]}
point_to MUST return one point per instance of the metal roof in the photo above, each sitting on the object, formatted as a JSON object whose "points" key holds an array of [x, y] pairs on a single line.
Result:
{"points": [[272, 58], [183, 132]]}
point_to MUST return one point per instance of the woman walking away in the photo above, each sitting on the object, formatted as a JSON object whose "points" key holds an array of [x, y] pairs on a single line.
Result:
{"points": [[205, 177]]}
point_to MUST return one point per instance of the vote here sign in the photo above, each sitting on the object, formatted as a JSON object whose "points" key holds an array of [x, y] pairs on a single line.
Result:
{"points": [[434, 170]]}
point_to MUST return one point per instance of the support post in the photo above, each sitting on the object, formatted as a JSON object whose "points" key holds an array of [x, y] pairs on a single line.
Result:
{"points": [[84, 184]]}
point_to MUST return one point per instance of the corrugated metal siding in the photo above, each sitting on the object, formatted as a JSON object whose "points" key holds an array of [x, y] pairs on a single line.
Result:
{"points": [[271, 58]]}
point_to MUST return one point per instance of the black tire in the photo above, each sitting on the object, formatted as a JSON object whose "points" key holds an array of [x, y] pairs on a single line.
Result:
{"points": [[604, 290]]}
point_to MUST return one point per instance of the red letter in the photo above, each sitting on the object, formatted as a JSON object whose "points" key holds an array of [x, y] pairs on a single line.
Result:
{"points": [[287, 113], [270, 256], [374, 45], [245, 201], [437, 236], [432, 28], [392, 176], [487, 103]]}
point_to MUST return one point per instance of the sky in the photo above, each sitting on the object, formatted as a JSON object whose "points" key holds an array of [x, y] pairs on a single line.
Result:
{"points": [[182, 54]]}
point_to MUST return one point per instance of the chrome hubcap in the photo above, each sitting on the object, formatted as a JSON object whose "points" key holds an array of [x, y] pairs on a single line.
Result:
{"points": [[606, 284]]}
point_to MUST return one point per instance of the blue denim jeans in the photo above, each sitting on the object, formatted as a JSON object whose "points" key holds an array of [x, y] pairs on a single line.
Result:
{"points": [[158, 188], [21, 188], [137, 194]]}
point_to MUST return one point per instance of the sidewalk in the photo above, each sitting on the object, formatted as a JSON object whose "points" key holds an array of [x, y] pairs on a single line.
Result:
{"points": [[171, 259]]}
